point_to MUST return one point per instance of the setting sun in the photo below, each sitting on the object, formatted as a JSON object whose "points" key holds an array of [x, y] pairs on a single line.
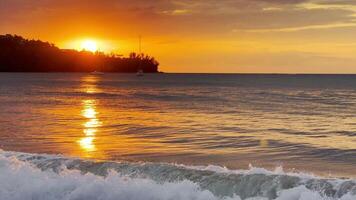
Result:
{"points": [[89, 45]]}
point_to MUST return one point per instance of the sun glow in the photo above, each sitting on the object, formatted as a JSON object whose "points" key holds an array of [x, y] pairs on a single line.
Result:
{"points": [[95, 44], [89, 45]]}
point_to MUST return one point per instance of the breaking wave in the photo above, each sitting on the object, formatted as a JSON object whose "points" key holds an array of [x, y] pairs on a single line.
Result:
{"points": [[50, 177]]}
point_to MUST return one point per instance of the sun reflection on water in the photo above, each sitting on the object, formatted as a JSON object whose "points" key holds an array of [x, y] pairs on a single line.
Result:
{"points": [[89, 112], [89, 84], [90, 126], [87, 143]]}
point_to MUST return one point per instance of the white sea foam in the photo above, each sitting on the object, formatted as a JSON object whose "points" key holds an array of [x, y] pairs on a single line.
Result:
{"points": [[251, 170], [44, 177]]}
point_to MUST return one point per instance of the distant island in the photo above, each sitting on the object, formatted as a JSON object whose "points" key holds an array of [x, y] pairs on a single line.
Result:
{"points": [[18, 54]]}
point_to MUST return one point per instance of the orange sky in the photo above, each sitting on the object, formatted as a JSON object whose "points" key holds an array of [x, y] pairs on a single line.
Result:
{"points": [[273, 36]]}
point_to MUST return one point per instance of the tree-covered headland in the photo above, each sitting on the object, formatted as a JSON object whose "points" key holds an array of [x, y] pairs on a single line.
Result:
{"points": [[18, 54]]}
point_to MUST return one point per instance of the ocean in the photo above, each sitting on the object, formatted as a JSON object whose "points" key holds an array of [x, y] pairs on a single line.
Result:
{"points": [[79, 136]]}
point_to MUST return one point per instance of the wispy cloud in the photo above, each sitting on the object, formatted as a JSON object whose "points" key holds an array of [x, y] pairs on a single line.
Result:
{"points": [[301, 28], [176, 12]]}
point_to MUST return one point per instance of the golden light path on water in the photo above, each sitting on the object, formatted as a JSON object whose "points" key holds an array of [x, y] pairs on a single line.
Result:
{"points": [[89, 112]]}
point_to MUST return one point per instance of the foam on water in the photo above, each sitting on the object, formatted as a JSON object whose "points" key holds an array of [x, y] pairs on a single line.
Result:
{"points": [[48, 177]]}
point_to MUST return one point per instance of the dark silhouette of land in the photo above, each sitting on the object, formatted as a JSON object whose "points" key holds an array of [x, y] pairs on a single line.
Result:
{"points": [[18, 54]]}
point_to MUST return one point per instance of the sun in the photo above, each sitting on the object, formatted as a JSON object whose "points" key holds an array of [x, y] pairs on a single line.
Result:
{"points": [[89, 45]]}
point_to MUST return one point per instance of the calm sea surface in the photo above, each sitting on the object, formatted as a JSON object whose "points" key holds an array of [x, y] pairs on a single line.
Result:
{"points": [[301, 122]]}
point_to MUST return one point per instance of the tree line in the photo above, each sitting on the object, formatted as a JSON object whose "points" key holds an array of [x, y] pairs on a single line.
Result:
{"points": [[18, 54]]}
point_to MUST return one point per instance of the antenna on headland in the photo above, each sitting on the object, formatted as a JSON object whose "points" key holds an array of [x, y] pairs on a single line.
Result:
{"points": [[139, 44], [140, 70]]}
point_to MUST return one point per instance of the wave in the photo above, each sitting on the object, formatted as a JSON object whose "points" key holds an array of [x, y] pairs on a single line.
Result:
{"points": [[52, 177]]}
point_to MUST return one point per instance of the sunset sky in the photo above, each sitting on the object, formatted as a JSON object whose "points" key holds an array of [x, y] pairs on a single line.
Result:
{"points": [[264, 36]]}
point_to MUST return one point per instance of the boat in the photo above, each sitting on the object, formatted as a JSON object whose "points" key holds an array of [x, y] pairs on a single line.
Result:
{"points": [[139, 72], [97, 73]]}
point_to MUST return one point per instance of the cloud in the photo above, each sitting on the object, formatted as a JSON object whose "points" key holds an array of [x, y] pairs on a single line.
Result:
{"points": [[188, 16], [336, 2], [303, 28]]}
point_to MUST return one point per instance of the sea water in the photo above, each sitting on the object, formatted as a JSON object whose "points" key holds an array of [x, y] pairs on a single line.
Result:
{"points": [[177, 136]]}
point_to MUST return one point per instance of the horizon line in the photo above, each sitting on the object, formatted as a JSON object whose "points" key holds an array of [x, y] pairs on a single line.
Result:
{"points": [[207, 73]]}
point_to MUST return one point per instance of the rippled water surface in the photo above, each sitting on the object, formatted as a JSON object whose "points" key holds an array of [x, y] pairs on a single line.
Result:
{"points": [[301, 122]]}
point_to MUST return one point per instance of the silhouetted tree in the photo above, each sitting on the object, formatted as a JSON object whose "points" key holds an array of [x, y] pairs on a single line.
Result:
{"points": [[22, 55]]}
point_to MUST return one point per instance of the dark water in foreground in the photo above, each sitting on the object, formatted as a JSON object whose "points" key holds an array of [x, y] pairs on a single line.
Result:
{"points": [[305, 123]]}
